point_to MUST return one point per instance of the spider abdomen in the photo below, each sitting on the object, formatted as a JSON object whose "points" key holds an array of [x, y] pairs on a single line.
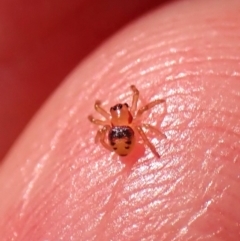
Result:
{"points": [[121, 139]]}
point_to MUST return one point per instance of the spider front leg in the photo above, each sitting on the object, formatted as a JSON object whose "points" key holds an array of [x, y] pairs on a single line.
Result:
{"points": [[101, 136], [149, 106], [97, 122], [147, 142], [134, 100], [100, 110]]}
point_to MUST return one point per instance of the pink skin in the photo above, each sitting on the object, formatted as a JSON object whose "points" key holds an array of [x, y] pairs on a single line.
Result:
{"points": [[58, 185]]}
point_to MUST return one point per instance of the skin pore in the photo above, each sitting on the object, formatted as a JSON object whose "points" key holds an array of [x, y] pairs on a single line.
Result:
{"points": [[56, 184]]}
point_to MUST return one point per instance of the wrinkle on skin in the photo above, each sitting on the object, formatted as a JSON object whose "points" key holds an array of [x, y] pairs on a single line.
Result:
{"points": [[190, 193]]}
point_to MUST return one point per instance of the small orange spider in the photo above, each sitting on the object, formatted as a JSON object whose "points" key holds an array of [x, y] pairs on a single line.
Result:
{"points": [[121, 124]]}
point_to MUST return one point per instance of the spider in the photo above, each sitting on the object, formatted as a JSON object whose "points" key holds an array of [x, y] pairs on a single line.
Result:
{"points": [[121, 124]]}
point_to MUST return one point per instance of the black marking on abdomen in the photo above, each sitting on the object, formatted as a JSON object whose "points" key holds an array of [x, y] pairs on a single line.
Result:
{"points": [[119, 132]]}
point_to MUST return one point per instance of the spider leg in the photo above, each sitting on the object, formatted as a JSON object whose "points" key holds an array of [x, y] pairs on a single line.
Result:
{"points": [[96, 121], [100, 136], [100, 110], [147, 142], [149, 106], [154, 129], [134, 99]]}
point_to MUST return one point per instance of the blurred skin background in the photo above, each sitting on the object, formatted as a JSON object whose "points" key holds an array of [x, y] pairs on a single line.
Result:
{"points": [[41, 42], [52, 187]]}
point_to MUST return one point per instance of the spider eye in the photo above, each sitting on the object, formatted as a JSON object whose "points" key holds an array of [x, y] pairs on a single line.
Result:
{"points": [[116, 107], [126, 105]]}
